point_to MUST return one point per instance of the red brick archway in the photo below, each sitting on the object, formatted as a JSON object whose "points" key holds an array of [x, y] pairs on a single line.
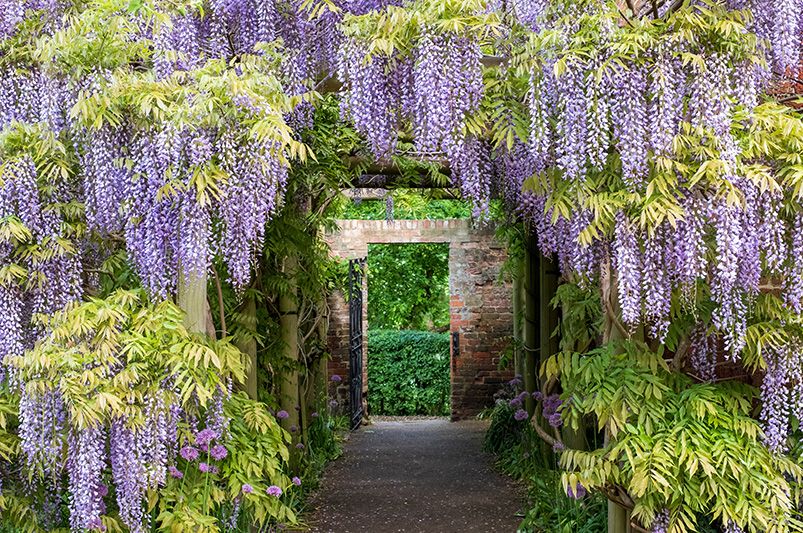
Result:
{"points": [[480, 303]]}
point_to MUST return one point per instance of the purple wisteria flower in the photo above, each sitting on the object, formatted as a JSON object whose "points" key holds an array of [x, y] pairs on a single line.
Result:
{"points": [[578, 494], [189, 453], [281, 415], [174, 472], [520, 415], [219, 452], [336, 378], [273, 490], [296, 481], [247, 489]]}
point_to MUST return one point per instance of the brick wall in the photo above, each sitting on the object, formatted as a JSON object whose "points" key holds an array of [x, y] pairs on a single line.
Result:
{"points": [[480, 304]]}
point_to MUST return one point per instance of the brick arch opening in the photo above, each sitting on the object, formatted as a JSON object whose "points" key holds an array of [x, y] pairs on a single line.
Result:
{"points": [[480, 304]]}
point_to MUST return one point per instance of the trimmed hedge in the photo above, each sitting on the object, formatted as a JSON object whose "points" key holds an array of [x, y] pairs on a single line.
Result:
{"points": [[408, 372]]}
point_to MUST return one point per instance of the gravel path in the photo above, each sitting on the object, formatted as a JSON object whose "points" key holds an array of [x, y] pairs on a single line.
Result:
{"points": [[422, 475]]}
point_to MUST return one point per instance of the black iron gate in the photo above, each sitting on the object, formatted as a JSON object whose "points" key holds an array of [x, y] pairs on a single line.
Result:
{"points": [[356, 273]]}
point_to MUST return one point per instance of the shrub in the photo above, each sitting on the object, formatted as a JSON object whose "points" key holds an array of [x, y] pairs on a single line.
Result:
{"points": [[408, 373]]}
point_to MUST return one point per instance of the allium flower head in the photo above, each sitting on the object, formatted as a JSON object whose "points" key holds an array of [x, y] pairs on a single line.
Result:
{"points": [[218, 452], [336, 378], [300, 446], [189, 453], [247, 489], [520, 415], [297, 481], [281, 415], [314, 415], [207, 468], [273, 490], [174, 472], [293, 429], [515, 402], [205, 436]]}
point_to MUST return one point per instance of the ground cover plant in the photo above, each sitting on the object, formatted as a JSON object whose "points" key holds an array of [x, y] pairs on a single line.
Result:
{"points": [[167, 169]]}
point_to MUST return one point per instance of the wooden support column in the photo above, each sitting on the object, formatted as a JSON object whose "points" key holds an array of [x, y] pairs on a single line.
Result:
{"points": [[288, 328], [518, 352], [191, 298], [532, 330], [618, 516], [248, 344]]}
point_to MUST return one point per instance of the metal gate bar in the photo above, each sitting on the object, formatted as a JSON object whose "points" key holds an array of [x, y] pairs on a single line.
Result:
{"points": [[356, 274]]}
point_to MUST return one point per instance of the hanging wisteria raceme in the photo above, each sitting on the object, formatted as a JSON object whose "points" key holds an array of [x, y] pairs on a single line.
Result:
{"points": [[85, 463], [106, 179], [370, 102], [256, 179], [42, 422], [628, 262], [656, 284], [128, 473], [775, 392], [703, 354], [793, 278], [730, 315], [687, 254], [573, 123], [630, 117]]}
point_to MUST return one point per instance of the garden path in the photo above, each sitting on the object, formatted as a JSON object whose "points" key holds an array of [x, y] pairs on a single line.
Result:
{"points": [[425, 475]]}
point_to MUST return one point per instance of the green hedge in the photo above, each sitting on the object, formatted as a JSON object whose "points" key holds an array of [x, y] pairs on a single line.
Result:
{"points": [[408, 373]]}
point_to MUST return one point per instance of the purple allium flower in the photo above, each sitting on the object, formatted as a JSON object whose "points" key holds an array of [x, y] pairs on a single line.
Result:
{"points": [[281, 415], [273, 490], [296, 481], [247, 489], [336, 378], [189, 453], [520, 415], [515, 382], [538, 396], [581, 492], [204, 467], [558, 447], [300, 446], [314, 415], [103, 490], [219, 452], [174, 472], [205, 436], [515, 402], [293, 429]]}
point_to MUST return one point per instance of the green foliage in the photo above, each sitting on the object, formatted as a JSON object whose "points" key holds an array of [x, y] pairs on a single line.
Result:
{"points": [[257, 453], [407, 205], [408, 286], [518, 452], [139, 344], [580, 319], [408, 373], [107, 359], [674, 444]]}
